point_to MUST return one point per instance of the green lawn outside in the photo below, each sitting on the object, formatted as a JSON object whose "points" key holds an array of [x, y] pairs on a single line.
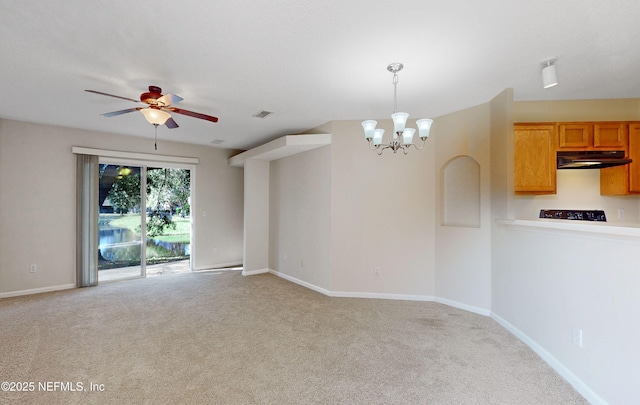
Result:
{"points": [[132, 221]]}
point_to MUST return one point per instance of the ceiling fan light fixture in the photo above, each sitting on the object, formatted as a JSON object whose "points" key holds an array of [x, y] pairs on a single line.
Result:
{"points": [[155, 116], [157, 105]]}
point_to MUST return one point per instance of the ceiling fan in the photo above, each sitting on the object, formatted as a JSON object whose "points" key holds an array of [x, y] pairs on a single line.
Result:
{"points": [[158, 107]]}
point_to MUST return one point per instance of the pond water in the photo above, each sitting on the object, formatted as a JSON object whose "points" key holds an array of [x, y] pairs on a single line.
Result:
{"points": [[122, 246]]}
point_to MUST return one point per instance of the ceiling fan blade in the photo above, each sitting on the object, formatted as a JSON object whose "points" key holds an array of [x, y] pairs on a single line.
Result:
{"points": [[111, 95], [114, 113], [168, 99], [193, 114], [171, 123]]}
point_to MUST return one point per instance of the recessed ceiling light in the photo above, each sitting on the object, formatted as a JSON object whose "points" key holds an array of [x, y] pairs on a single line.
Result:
{"points": [[217, 141]]}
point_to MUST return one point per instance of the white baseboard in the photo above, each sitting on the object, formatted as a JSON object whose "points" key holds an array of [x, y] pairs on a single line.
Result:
{"points": [[217, 266], [382, 296], [254, 272], [347, 294], [571, 378], [37, 290], [302, 283], [465, 307]]}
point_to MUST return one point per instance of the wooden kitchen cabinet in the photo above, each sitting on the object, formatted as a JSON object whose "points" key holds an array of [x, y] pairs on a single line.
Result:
{"points": [[624, 180], [634, 154], [535, 158], [536, 145], [610, 135], [592, 136], [574, 136]]}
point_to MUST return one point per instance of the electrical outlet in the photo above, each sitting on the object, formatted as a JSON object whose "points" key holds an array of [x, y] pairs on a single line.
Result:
{"points": [[33, 268], [620, 213], [376, 270], [577, 337], [301, 263]]}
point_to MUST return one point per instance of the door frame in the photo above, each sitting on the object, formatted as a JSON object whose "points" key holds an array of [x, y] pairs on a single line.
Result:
{"points": [[144, 160]]}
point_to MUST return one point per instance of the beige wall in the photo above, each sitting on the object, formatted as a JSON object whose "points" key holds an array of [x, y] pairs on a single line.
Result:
{"points": [[37, 203], [382, 215], [300, 217], [577, 110], [463, 255], [386, 212], [256, 216], [545, 283]]}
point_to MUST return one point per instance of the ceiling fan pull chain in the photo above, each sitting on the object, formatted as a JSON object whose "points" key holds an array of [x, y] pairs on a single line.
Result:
{"points": [[155, 141]]}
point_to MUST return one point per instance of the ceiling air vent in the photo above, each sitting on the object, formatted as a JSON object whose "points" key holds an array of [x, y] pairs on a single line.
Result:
{"points": [[262, 114]]}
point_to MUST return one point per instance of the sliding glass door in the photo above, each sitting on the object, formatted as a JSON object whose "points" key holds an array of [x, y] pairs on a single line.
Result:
{"points": [[134, 219], [144, 221]]}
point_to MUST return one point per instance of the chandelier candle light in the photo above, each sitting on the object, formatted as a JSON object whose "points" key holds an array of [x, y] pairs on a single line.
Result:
{"points": [[402, 137]]}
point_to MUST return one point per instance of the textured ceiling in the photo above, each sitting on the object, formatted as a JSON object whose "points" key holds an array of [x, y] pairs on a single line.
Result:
{"points": [[308, 61]]}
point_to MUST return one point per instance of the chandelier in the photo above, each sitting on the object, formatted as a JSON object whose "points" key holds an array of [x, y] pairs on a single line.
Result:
{"points": [[402, 137]]}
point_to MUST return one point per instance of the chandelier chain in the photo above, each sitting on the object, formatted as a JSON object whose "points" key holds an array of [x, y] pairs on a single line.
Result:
{"points": [[395, 92]]}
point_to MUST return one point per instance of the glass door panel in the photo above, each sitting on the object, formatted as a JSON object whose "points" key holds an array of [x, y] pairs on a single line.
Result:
{"points": [[120, 222], [168, 220]]}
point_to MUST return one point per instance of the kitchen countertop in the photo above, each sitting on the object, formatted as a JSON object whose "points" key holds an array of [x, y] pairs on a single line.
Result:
{"points": [[604, 228]]}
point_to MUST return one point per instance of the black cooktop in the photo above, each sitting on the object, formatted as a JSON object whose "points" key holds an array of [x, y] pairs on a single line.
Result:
{"points": [[577, 215]]}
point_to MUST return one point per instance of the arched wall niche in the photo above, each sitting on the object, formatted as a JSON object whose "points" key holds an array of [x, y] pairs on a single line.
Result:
{"points": [[460, 190]]}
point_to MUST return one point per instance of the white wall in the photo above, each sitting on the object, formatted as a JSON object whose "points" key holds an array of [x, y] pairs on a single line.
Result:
{"points": [[382, 215], [386, 212], [343, 211], [37, 203], [547, 283], [300, 217], [256, 216], [463, 254], [577, 189]]}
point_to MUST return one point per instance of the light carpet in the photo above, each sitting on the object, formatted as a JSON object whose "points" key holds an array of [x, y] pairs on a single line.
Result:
{"points": [[220, 338]]}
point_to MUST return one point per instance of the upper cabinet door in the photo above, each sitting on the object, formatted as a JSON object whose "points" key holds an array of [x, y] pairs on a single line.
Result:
{"points": [[608, 135], [534, 159], [634, 154], [574, 136], [587, 136]]}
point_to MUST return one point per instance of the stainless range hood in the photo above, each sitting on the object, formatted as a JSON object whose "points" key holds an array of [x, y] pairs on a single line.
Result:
{"points": [[591, 159]]}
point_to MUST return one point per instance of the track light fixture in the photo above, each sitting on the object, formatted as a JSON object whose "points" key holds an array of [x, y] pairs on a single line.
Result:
{"points": [[549, 78]]}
